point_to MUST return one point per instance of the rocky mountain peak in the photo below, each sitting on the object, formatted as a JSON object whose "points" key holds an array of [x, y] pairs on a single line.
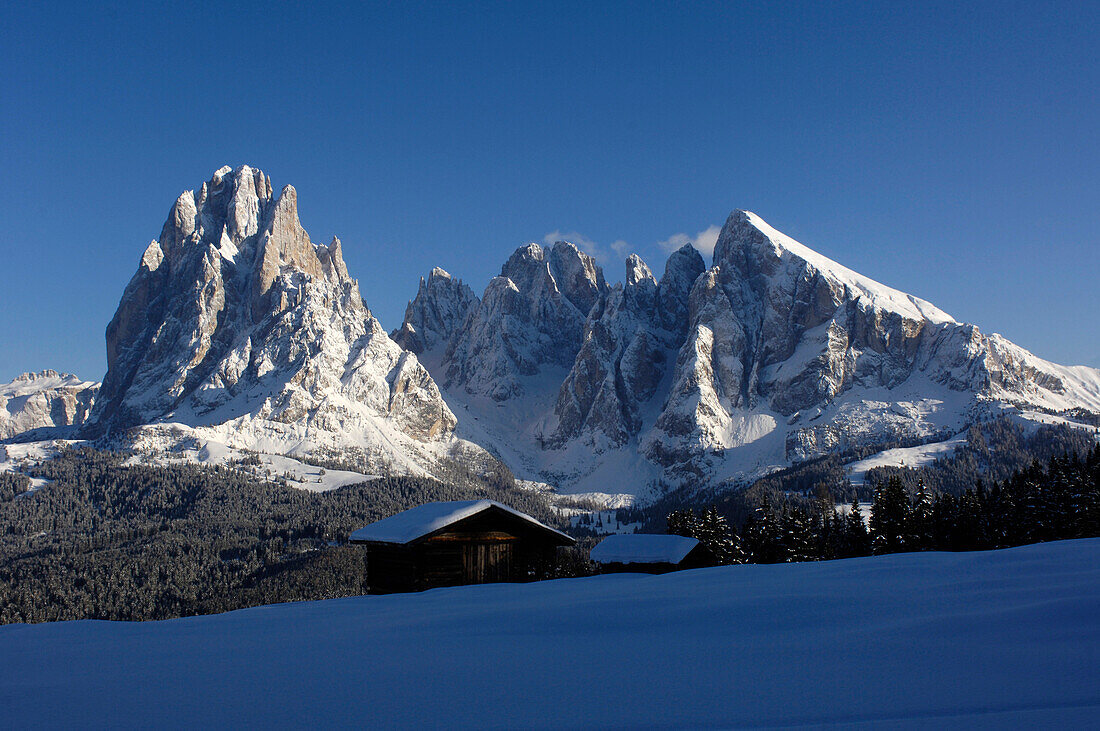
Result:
{"points": [[577, 275], [681, 271], [525, 265], [241, 317], [283, 243], [436, 313], [530, 317], [637, 271], [332, 260], [180, 224], [46, 399], [37, 375], [751, 250]]}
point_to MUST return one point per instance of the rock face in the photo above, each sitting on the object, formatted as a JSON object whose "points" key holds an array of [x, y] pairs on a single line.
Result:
{"points": [[235, 317], [439, 309], [46, 399], [629, 339], [530, 317], [779, 333]]}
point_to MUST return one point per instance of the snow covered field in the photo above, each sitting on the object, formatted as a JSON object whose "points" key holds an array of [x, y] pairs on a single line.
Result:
{"points": [[975, 640], [919, 456]]}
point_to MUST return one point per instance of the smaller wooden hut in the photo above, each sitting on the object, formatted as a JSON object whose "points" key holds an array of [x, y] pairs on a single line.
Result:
{"points": [[452, 543], [650, 553]]}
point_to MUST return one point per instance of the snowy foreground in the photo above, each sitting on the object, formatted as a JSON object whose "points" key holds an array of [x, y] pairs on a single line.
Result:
{"points": [[976, 640]]}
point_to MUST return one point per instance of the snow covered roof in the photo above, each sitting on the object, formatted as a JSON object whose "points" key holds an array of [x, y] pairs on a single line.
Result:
{"points": [[643, 548], [423, 520]]}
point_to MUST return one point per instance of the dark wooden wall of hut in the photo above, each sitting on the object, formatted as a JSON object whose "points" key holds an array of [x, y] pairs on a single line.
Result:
{"points": [[492, 546]]}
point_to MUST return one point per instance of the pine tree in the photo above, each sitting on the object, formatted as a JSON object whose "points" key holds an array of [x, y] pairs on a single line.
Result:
{"points": [[796, 536], [920, 533], [711, 529], [683, 523], [714, 533], [857, 541], [890, 517], [760, 538]]}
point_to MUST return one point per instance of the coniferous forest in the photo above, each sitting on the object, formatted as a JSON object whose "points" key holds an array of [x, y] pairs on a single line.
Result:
{"points": [[103, 539], [1058, 500], [108, 541]]}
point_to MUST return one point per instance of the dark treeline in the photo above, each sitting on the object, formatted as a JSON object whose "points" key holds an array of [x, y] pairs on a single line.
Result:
{"points": [[109, 541], [1038, 503], [106, 540], [13, 484], [993, 451]]}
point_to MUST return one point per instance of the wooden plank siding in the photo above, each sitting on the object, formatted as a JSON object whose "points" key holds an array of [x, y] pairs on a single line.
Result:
{"points": [[490, 546]]}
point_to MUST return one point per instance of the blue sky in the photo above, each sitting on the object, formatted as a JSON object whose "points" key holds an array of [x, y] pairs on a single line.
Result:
{"points": [[949, 151]]}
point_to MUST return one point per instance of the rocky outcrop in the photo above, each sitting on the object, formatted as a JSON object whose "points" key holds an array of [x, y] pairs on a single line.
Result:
{"points": [[630, 337], [235, 315], [46, 399], [439, 309], [530, 317]]}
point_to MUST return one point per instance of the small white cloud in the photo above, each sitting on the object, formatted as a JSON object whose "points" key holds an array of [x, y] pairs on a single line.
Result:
{"points": [[581, 241], [704, 241], [673, 242], [602, 254]]}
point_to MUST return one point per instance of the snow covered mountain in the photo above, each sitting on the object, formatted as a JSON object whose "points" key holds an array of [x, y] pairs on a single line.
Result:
{"points": [[530, 319], [629, 343], [772, 355], [239, 332], [237, 328], [782, 336], [44, 399]]}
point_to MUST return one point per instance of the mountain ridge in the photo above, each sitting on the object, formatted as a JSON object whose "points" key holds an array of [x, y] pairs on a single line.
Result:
{"points": [[43, 400], [775, 355], [238, 331]]}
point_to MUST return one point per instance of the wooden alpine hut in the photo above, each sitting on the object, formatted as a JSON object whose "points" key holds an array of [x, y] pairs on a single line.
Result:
{"points": [[452, 543], [650, 553]]}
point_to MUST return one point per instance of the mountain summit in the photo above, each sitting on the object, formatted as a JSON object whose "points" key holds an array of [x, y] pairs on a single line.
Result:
{"points": [[238, 332], [236, 322], [772, 355], [46, 399]]}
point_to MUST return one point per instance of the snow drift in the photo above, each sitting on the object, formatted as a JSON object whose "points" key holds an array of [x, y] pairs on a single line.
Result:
{"points": [[973, 640]]}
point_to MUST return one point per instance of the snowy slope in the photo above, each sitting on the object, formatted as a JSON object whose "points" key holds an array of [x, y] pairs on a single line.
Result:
{"points": [[972, 640], [913, 457], [880, 295]]}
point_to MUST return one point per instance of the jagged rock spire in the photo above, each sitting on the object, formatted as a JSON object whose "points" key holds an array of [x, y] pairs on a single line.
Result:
{"points": [[439, 309], [235, 314], [530, 317]]}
